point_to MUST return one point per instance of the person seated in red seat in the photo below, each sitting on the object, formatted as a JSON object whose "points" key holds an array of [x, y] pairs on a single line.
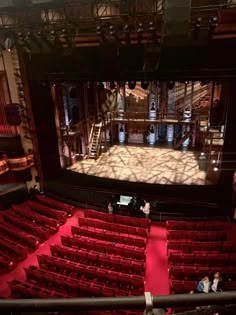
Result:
{"points": [[217, 284], [204, 285]]}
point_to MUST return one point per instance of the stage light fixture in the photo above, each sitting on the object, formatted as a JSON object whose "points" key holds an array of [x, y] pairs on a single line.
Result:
{"points": [[112, 85], [99, 30], [9, 42], [140, 27], [63, 32], [112, 30], [213, 22], [198, 23], [170, 85], [151, 26], [144, 85], [126, 28], [131, 84]]}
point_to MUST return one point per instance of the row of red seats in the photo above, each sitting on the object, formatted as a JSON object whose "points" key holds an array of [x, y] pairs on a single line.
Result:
{"points": [[20, 289], [50, 212], [196, 273], [189, 246], [113, 218], [108, 236], [196, 235], [25, 211], [31, 227], [185, 286], [56, 204], [104, 247], [75, 270], [196, 226], [97, 259], [18, 251], [75, 287], [209, 259], [19, 235], [114, 227]]}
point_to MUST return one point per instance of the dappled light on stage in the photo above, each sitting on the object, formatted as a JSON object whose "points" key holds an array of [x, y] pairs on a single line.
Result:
{"points": [[145, 164]]}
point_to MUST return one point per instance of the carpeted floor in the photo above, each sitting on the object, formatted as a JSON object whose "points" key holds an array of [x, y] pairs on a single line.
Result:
{"points": [[156, 262]]}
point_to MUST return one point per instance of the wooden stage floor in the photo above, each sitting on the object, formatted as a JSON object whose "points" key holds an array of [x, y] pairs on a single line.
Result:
{"points": [[145, 164]]}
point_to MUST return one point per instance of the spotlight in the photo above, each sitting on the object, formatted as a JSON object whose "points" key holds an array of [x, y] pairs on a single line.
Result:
{"points": [[214, 162], [215, 169], [131, 84], [99, 30], [170, 85], [140, 27], [9, 41], [213, 22], [202, 154], [112, 85], [63, 32], [151, 26], [39, 34], [53, 33], [144, 85], [112, 30], [198, 23], [126, 28]]}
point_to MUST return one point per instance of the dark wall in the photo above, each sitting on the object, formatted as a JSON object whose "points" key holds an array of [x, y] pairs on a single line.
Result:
{"points": [[45, 128], [229, 149]]}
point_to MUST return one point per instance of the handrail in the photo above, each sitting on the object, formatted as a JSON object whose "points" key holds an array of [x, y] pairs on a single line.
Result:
{"points": [[132, 302]]}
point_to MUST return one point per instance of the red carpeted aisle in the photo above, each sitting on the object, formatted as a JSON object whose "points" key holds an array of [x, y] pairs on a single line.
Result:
{"points": [[157, 277], [156, 262]]}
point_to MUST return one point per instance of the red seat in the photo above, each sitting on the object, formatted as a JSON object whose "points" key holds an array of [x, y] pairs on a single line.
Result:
{"points": [[176, 258], [105, 261], [176, 272], [137, 282], [137, 267], [202, 260], [125, 266], [188, 259], [108, 292], [115, 263]]}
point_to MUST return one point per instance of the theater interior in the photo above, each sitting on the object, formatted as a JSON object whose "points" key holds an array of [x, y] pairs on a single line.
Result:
{"points": [[117, 157]]}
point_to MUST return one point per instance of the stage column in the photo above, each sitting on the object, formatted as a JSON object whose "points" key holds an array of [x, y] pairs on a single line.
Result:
{"points": [[152, 111], [121, 110], [187, 111], [228, 162], [171, 113]]}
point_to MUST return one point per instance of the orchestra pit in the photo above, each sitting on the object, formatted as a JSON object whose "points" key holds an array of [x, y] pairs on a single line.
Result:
{"points": [[118, 157]]}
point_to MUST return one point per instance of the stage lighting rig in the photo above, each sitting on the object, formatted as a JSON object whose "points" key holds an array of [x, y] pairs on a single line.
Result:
{"points": [[131, 84], [144, 85]]}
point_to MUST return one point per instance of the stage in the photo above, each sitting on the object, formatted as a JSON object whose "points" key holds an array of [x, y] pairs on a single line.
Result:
{"points": [[144, 164]]}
